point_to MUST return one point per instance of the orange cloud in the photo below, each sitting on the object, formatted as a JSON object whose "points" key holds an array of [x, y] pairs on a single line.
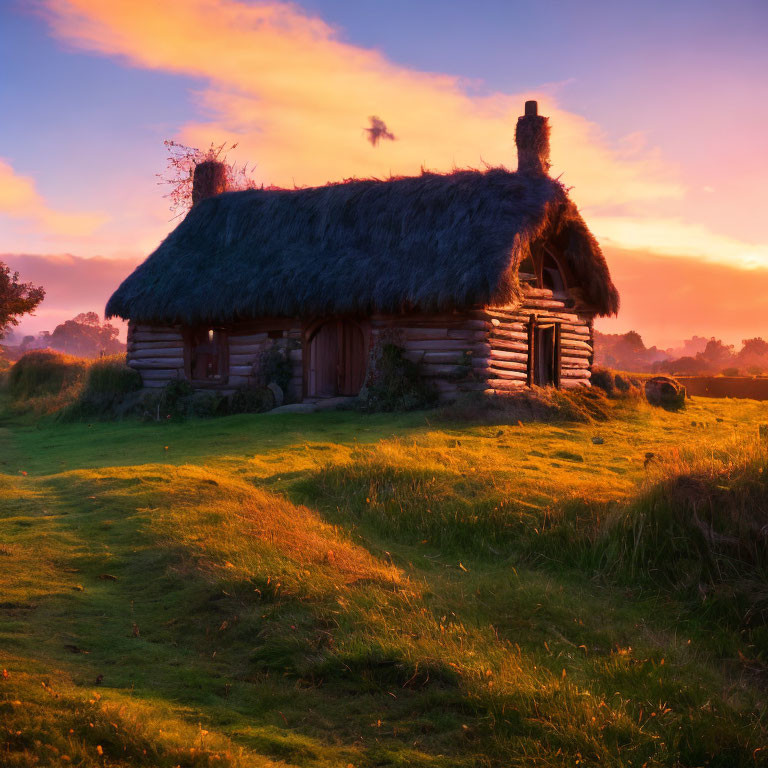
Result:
{"points": [[19, 199], [670, 299], [298, 99]]}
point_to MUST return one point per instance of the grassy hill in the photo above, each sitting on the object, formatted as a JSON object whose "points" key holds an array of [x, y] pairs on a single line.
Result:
{"points": [[336, 589]]}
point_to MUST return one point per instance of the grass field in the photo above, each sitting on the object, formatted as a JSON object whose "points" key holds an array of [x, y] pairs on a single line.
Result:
{"points": [[337, 589]]}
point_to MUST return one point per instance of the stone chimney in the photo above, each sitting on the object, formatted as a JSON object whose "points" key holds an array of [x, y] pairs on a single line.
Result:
{"points": [[532, 139], [210, 178]]}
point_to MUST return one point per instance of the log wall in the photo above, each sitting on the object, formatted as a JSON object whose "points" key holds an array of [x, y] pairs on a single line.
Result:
{"points": [[157, 352], [484, 349], [443, 345], [504, 361]]}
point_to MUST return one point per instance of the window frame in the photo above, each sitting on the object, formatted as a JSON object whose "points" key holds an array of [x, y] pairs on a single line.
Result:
{"points": [[537, 257], [192, 341], [536, 326]]}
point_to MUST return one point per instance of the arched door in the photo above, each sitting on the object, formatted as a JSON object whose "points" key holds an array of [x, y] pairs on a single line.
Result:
{"points": [[337, 359]]}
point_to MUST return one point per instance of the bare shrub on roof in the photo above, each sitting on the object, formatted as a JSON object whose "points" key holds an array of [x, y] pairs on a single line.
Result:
{"points": [[180, 171]]}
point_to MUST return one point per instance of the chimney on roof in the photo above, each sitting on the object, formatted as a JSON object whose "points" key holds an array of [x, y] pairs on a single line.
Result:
{"points": [[532, 139], [210, 178]]}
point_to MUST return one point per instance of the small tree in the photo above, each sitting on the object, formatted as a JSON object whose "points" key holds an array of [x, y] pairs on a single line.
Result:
{"points": [[16, 299]]}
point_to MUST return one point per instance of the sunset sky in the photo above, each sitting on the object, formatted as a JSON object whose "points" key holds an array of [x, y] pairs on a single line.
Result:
{"points": [[659, 114]]}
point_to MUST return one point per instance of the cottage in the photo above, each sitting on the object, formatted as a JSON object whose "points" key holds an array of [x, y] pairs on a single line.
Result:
{"points": [[489, 280]]}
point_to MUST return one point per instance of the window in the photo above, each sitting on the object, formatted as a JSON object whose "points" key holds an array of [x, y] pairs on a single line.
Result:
{"points": [[551, 276], [541, 269], [527, 271], [207, 355]]}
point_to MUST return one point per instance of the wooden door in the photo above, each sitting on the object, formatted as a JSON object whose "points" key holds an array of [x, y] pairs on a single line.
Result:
{"points": [[352, 359], [337, 359], [323, 361]]}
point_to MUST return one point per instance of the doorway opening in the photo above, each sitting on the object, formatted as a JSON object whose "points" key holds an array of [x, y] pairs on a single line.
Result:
{"points": [[544, 355]]}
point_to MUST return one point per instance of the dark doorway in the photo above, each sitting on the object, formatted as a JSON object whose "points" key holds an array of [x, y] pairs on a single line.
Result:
{"points": [[546, 355], [337, 359]]}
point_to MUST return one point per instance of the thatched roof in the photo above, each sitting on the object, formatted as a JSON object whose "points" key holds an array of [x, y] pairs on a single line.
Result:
{"points": [[426, 243]]}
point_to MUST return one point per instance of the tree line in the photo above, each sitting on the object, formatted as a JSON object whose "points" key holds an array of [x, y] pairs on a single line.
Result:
{"points": [[697, 356]]}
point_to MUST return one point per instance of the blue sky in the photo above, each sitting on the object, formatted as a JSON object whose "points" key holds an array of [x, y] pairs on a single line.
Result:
{"points": [[660, 112]]}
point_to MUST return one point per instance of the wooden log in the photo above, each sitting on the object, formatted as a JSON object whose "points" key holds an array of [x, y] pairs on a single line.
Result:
{"points": [[439, 345], [424, 333], [509, 365], [160, 374], [537, 293], [573, 344], [578, 330], [499, 333], [237, 380], [295, 355], [489, 313], [505, 385], [574, 362], [139, 336], [553, 304], [575, 373], [156, 329], [477, 324], [157, 362], [240, 370], [501, 354], [144, 352], [247, 345], [496, 373], [246, 349], [509, 326], [507, 344]]}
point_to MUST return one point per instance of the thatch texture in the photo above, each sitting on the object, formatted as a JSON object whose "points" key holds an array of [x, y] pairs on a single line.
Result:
{"points": [[427, 243]]}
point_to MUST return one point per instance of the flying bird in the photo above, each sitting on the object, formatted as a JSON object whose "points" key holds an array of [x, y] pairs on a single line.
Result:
{"points": [[378, 131]]}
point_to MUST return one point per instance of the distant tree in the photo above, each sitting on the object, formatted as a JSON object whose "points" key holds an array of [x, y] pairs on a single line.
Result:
{"points": [[16, 299], [754, 355], [685, 364], [691, 347], [625, 351], [717, 355], [85, 336], [756, 347], [180, 170]]}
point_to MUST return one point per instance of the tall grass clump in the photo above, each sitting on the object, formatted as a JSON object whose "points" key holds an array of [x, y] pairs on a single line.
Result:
{"points": [[617, 385], [699, 528], [44, 381], [583, 405], [106, 389]]}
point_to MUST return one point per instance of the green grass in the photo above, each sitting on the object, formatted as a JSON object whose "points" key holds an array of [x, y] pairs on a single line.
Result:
{"points": [[391, 590], [45, 383]]}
